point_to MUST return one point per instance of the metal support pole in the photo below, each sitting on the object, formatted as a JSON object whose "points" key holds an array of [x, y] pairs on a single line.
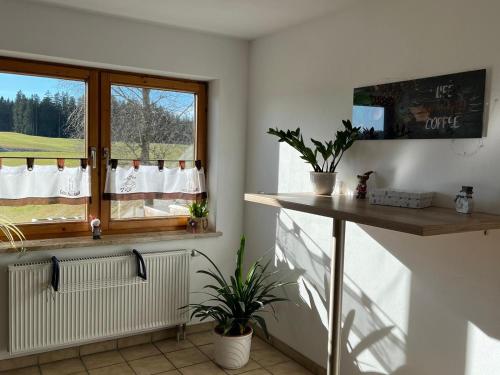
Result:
{"points": [[335, 311]]}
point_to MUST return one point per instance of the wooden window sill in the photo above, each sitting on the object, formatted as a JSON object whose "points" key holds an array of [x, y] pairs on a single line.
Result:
{"points": [[107, 240]]}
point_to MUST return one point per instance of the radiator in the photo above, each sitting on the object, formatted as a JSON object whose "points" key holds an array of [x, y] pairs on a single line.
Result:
{"points": [[97, 298]]}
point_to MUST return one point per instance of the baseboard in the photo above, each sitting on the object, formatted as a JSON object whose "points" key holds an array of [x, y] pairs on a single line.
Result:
{"points": [[106, 344], [96, 346], [298, 357]]}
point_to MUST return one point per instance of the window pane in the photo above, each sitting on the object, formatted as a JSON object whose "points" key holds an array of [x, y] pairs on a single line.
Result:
{"points": [[151, 124], [42, 117]]}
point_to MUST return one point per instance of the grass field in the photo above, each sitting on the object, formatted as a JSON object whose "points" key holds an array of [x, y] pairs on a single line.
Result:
{"points": [[15, 144], [21, 145]]}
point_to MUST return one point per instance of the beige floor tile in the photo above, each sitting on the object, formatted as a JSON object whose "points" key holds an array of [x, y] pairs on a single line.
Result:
{"points": [[171, 372], [119, 369], [98, 347], [134, 340], [58, 355], [251, 365], [139, 351], [19, 362], [171, 345], [206, 368], [201, 338], [163, 334], [259, 344], [268, 357], [259, 371], [64, 367], [104, 359], [288, 368], [208, 350], [151, 365], [33, 370], [186, 357]]}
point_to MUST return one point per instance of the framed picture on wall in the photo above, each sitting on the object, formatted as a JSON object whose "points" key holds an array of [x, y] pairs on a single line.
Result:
{"points": [[447, 106]]}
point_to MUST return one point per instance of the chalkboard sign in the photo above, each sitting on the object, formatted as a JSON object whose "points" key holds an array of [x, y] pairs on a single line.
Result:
{"points": [[449, 106]]}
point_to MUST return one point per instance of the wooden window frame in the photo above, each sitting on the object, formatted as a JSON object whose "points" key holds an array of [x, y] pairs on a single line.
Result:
{"points": [[138, 80], [60, 229], [98, 125]]}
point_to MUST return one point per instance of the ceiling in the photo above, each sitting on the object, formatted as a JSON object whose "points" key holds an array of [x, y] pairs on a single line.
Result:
{"points": [[247, 19]]}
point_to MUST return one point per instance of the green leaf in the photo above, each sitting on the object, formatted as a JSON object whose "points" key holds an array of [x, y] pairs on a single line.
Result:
{"points": [[233, 303], [262, 323]]}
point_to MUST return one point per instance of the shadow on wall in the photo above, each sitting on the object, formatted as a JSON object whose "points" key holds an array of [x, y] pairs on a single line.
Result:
{"points": [[371, 342], [442, 318]]}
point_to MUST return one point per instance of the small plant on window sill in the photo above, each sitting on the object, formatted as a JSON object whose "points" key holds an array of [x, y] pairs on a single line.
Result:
{"points": [[237, 304], [198, 222], [13, 234], [324, 173]]}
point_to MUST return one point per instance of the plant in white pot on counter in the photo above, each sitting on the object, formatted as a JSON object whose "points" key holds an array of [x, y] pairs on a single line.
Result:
{"points": [[324, 175], [236, 305]]}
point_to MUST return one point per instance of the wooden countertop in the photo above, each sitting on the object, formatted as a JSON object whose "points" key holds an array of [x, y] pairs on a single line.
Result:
{"points": [[423, 222]]}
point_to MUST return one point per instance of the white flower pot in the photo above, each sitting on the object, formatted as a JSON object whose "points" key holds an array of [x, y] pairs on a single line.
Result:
{"points": [[323, 182], [232, 352]]}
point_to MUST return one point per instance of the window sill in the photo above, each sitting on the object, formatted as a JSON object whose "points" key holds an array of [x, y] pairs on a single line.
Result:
{"points": [[107, 240]]}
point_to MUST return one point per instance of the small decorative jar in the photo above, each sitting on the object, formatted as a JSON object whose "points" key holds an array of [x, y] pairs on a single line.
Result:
{"points": [[197, 224], [463, 201]]}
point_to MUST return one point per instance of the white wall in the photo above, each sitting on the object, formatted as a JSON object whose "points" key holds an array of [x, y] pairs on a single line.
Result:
{"points": [[441, 294], [53, 34]]}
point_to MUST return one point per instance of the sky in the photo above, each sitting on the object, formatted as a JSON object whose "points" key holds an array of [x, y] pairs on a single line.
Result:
{"points": [[10, 84], [368, 117]]}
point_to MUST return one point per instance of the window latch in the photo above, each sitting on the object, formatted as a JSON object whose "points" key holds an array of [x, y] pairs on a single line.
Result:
{"points": [[93, 157], [105, 154]]}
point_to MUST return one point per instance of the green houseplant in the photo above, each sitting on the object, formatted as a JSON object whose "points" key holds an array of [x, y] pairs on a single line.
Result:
{"points": [[323, 175], [12, 234], [198, 221], [236, 304]]}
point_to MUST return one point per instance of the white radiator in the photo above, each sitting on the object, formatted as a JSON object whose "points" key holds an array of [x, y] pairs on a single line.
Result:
{"points": [[97, 298]]}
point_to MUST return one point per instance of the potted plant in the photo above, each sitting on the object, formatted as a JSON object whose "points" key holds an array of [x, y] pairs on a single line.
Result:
{"points": [[12, 234], [235, 306], [198, 222], [323, 176]]}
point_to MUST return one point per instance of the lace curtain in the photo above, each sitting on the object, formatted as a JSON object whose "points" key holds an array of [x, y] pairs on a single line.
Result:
{"points": [[44, 184], [153, 182]]}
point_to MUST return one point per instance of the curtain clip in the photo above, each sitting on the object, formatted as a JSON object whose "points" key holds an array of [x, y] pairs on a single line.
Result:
{"points": [[114, 164], [60, 164], [197, 164], [84, 163], [182, 164], [136, 164], [161, 165], [29, 163]]}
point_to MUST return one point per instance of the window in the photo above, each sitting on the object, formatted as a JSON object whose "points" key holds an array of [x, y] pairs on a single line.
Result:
{"points": [[66, 117]]}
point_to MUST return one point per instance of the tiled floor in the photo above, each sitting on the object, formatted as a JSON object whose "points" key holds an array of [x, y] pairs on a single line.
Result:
{"points": [[192, 356]]}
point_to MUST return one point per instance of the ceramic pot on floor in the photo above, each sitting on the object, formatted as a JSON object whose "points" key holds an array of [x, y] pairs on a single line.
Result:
{"points": [[232, 352]]}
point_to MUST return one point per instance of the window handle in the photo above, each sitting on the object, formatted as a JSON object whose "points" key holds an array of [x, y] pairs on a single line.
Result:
{"points": [[93, 156], [105, 154]]}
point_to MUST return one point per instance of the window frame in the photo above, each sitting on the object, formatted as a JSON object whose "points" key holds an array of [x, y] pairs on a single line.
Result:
{"points": [[138, 80], [61, 229], [98, 126]]}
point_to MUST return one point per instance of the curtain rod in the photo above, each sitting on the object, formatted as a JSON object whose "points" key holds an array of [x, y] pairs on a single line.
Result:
{"points": [[54, 158]]}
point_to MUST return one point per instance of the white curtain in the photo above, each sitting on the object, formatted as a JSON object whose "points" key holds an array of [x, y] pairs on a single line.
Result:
{"points": [[44, 184], [149, 182]]}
